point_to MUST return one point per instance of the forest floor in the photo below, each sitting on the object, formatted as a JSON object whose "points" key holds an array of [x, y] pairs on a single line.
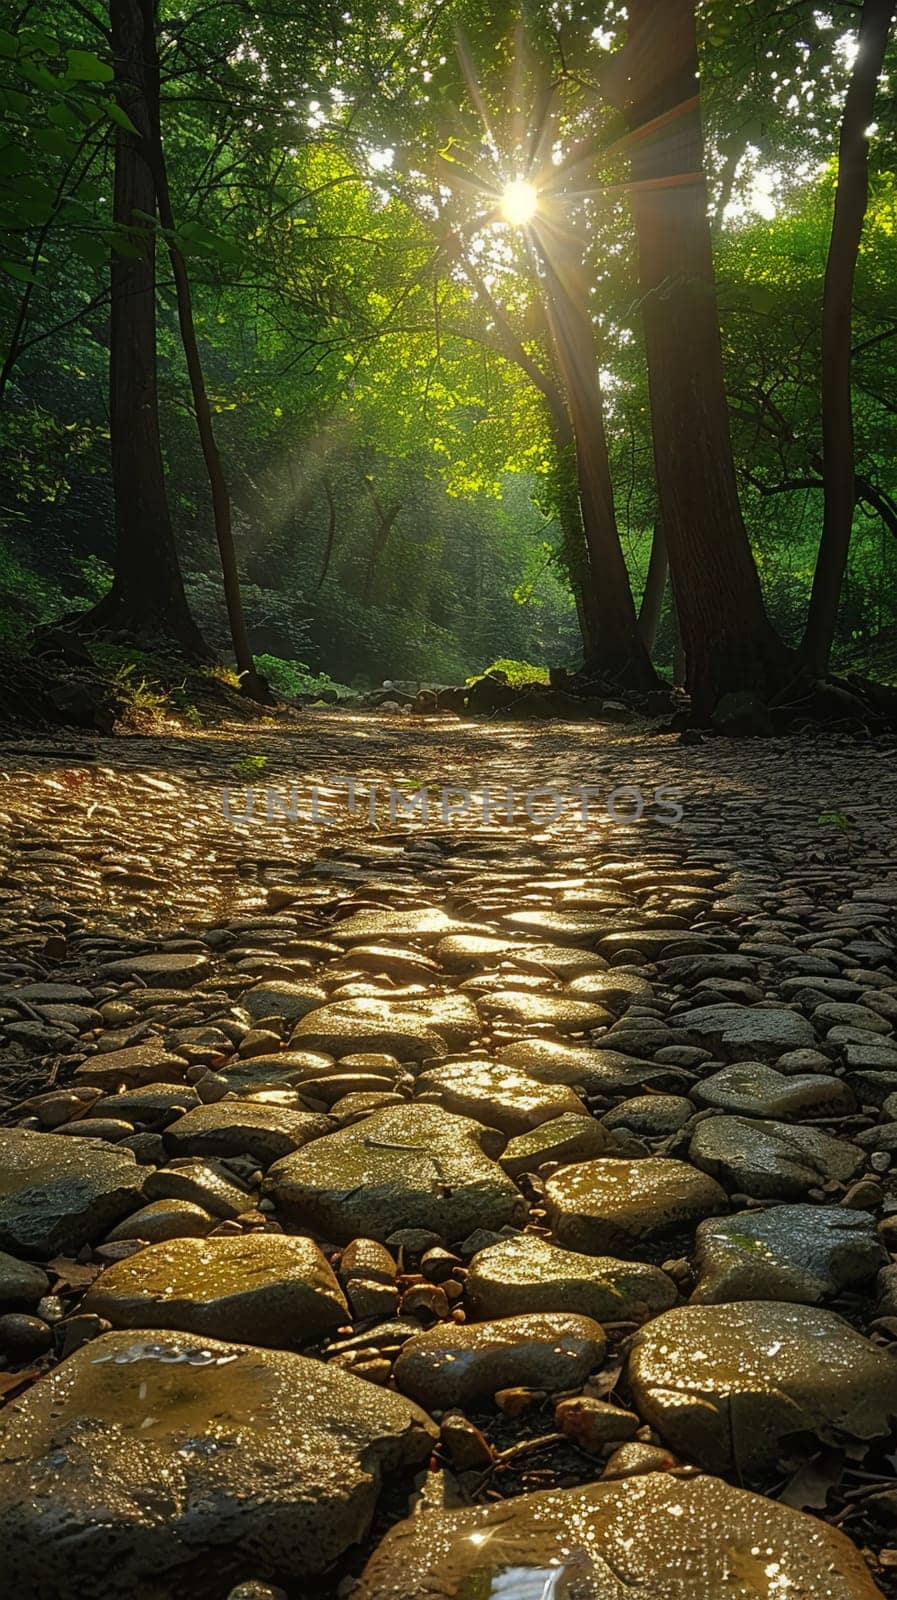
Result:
{"points": [[550, 1063]]}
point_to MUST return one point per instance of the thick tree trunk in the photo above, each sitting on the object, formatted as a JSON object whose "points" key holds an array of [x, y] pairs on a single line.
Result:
{"points": [[147, 595], [838, 451], [573, 542], [655, 588], [620, 650], [729, 641], [598, 574]]}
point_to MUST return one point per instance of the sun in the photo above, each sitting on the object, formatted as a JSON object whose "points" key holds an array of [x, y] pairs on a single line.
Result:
{"points": [[519, 202]]}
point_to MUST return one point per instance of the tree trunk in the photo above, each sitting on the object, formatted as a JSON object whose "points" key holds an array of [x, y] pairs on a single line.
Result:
{"points": [[620, 650], [147, 595], [838, 451], [251, 683], [729, 641], [331, 534], [604, 601], [655, 588], [385, 521], [573, 543]]}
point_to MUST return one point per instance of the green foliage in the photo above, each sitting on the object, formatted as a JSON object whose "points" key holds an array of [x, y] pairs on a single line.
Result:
{"points": [[350, 359], [517, 672], [293, 678]]}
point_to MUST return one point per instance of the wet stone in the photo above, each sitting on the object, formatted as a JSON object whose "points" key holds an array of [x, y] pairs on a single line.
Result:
{"points": [[650, 1116], [411, 1030], [232, 1128], [730, 1386], [152, 1106], [461, 1365], [288, 1000], [412, 1166], [563, 1014], [21, 1284], [799, 1253], [615, 1539], [262, 1287], [498, 1096], [528, 1273], [756, 1090], [745, 1033], [154, 1454], [205, 1183], [165, 1219], [286, 1067], [426, 924], [55, 1193], [597, 1205], [598, 1072], [772, 1160], [139, 1064], [570, 1137], [178, 971]]}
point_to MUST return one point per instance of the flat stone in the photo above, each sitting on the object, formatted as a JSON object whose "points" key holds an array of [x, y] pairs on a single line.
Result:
{"points": [[410, 1166], [53, 994], [772, 1160], [288, 1000], [177, 971], [468, 952], [596, 1205], [497, 1095], [881, 1057], [729, 1386], [657, 1535], [265, 1288], [21, 1284], [235, 1128], [756, 1090], [599, 1072], [165, 1219], [561, 927], [240, 1458], [799, 1253], [651, 1116], [562, 961], [528, 1273], [462, 1364], [286, 1067], [841, 1014], [745, 1033], [153, 1105], [205, 1183], [139, 1064], [570, 1137], [425, 923], [58, 1194], [411, 1030], [803, 1061], [654, 943], [563, 1014]]}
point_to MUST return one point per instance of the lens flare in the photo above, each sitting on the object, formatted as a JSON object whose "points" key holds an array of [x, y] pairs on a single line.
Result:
{"points": [[519, 202]]}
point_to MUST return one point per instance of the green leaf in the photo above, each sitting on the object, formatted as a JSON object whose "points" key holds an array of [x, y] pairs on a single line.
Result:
{"points": [[115, 114], [62, 116], [90, 249], [84, 67], [54, 141], [12, 160], [17, 270], [8, 44]]}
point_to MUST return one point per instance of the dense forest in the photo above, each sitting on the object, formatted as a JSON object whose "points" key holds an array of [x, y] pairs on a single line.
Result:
{"points": [[392, 341]]}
